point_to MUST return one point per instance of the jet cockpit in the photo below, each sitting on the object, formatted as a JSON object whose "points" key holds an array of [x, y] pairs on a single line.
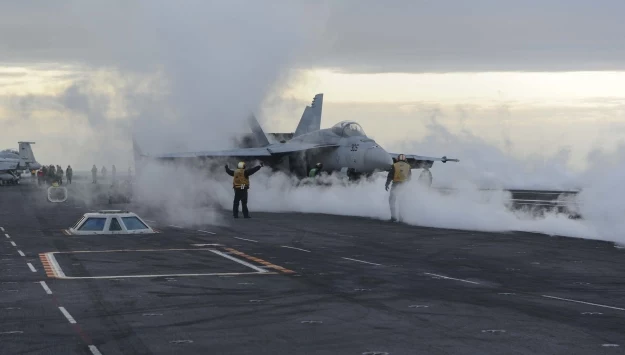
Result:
{"points": [[348, 129]]}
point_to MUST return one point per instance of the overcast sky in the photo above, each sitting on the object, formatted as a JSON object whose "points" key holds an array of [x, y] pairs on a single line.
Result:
{"points": [[80, 77]]}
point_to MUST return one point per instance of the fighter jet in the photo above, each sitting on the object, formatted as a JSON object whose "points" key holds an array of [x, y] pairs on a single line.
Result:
{"points": [[343, 148], [25, 157]]}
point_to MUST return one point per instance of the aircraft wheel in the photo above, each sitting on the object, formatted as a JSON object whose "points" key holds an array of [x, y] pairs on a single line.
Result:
{"points": [[353, 176]]}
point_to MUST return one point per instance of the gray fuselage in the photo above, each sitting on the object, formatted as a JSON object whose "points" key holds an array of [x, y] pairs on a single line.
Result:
{"points": [[355, 150]]}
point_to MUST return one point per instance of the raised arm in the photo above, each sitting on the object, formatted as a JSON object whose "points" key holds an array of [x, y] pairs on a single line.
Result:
{"points": [[251, 171], [228, 171]]}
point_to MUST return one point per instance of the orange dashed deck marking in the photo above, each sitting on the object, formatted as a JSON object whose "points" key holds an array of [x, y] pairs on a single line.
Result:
{"points": [[46, 266], [261, 261]]}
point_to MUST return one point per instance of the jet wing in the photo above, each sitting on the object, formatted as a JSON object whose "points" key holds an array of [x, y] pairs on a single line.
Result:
{"points": [[8, 164], [418, 161], [241, 152], [268, 151], [284, 148]]}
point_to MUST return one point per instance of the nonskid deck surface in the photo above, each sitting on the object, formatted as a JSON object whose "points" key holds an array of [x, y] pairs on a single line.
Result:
{"points": [[299, 284]]}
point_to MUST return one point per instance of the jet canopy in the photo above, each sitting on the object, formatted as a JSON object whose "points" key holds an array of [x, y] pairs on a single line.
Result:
{"points": [[348, 129], [9, 153]]}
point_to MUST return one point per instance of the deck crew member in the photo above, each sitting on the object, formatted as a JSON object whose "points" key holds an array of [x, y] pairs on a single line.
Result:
{"points": [[69, 173], [399, 174], [59, 174], [94, 174], [240, 184], [315, 171]]}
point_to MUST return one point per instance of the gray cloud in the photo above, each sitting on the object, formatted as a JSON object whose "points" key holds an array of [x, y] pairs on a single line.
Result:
{"points": [[358, 35], [12, 74], [481, 35]]}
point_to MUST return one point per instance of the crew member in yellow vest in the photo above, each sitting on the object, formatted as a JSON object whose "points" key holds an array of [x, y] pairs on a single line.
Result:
{"points": [[400, 173], [240, 184]]}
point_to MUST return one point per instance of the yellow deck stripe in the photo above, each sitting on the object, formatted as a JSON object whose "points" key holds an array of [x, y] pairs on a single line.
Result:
{"points": [[264, 262]]}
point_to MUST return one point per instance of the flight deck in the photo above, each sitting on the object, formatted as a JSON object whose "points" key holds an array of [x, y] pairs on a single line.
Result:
{"points": [[298, 284]]}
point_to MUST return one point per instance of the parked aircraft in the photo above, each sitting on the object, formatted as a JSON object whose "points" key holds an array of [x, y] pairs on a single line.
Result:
{"points": [[12, 163], [343, 147], [25, 157]]}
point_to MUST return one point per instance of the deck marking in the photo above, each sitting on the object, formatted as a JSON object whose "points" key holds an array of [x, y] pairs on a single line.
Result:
{"points": [[46, 265], [362, 261], [285, 246], [21, 253], [2, 228], [171, 225], [206, 232], [238, 261], [94, 350], [45, 287], [31, 267], [261, 261], [451, 278], [588, 303], [13, 332], [57, 272], [8, 236], [56, 268], [249, 240], [120, 250], [67, 315], [13, 243], [53, 269], [163, 275]]}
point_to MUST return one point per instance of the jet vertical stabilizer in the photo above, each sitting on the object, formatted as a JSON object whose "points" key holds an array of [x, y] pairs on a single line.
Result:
{"points": [[27, 155], [311, 118], [260, 139]]}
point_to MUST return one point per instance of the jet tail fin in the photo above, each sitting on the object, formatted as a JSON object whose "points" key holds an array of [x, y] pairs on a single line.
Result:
{"points": [[311, 118], [260, 139], [26, 152]]}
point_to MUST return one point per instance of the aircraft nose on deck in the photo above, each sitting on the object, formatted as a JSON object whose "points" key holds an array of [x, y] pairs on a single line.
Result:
{"points": [[378, 158]]}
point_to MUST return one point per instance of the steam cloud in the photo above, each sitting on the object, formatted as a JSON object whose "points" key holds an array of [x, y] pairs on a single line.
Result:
{"points": [[600, 201]]}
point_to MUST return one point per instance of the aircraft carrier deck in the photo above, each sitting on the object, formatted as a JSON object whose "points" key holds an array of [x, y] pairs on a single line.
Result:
{"points": [[299, 284]]}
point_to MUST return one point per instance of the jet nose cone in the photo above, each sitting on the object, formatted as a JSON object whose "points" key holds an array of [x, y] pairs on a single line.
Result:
{"points": [[378, 158]]}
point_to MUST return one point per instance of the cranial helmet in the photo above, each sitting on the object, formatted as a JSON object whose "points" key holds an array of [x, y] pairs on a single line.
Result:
{"points": [[319, 165], [401, 157], [241, 165]]}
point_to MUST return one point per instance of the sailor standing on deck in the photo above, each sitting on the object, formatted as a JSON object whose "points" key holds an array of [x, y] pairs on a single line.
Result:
{"points": [[69, 173], [399, 174], [94, 174], [240, 184]]}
